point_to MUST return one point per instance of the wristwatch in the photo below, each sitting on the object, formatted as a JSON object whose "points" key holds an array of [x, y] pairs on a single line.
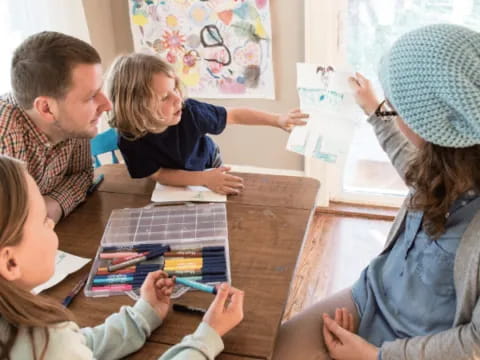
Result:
{"points": [[385, 110]]}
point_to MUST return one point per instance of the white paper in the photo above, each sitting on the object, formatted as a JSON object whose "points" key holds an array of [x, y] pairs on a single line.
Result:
{"points": [[164, 193], [65, 264], [325, 95]]}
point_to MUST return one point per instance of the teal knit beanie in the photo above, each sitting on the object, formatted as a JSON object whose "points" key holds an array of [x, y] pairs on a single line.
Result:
{"points": [[431, 76]]}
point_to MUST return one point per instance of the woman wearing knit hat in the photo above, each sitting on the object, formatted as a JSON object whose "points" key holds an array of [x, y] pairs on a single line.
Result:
{"points": [[419, 299]]}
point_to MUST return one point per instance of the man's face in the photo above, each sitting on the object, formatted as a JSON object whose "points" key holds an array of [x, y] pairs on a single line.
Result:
{"points": [[78, 113]]}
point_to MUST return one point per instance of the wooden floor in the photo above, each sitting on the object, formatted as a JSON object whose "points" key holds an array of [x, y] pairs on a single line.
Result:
{"points": [[338, 247]]}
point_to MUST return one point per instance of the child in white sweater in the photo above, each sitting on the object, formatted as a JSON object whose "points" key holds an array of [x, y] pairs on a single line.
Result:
{"points": [[36, 327]]}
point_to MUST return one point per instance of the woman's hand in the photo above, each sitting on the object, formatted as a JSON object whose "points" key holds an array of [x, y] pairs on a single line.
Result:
{"points": [[226, 310], [156, 290], [345, 345], [363, 93]]}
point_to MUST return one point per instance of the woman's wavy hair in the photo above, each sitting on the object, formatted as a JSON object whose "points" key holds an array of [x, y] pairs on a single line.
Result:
{"points": [[439, 175], [18, 307], [134, 101]]}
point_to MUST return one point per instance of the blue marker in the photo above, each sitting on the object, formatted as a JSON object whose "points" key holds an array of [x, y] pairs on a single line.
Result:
{"points": [[196, 285]]}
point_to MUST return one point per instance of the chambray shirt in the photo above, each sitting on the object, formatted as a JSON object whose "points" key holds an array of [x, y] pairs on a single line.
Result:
{"points": [[409, 290]]}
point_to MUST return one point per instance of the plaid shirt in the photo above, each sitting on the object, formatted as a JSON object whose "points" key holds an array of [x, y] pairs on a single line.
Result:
{"points": [[62, 171]]}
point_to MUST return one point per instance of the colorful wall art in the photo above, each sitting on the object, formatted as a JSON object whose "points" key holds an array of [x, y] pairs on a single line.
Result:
{"points": [[219, 48]]}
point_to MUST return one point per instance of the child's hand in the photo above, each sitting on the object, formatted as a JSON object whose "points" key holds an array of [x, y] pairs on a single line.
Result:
{"points": [[220, 182], [363, 93], [345, 345], [156, 290], [224, 314], [292, 118]]}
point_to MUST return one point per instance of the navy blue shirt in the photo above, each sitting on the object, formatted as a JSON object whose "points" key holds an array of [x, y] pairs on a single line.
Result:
{"points": [[184, 146]]}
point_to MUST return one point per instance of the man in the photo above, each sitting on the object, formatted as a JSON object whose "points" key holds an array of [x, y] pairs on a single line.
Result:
{"points": [[52, 113]]}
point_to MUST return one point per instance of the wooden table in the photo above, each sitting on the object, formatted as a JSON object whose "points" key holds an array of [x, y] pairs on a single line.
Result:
{"points": [[266, 225]]}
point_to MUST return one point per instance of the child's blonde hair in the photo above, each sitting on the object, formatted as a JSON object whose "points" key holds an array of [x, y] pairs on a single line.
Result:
{"points": [[18, 307], [133, 99]]}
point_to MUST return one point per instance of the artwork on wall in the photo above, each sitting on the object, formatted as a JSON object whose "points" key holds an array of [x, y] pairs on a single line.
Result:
{"points": [[218, 48]]}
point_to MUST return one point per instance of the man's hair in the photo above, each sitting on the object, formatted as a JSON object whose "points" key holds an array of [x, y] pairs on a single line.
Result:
{"points": [[42, 65]]}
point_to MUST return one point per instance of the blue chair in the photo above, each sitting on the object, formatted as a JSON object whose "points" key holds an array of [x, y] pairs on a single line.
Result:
{"points": [[102, 143]]}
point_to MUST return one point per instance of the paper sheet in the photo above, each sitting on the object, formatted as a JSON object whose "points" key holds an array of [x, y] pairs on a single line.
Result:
{"points": [[167, 194], [65, 264], [325, 95]]}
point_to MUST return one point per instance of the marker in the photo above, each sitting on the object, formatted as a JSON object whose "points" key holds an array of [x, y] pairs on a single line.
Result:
{"points": [[119, 279], [113, 255], [140, 267], [126, 258], [151, 255], [76, 289], [196, 285], [122, 287], [95, 184], [138, 248], [189, 309]]}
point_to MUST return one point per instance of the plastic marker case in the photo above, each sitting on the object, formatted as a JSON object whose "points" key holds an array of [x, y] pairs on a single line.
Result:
{"points": [[182, 227]]}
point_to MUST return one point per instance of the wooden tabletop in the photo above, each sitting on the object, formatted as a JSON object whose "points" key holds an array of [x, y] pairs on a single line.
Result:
{"points": [[265, 237], [270, 190]]}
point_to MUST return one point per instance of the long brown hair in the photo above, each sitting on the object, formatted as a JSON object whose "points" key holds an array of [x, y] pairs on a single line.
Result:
{"points": [[133, 98], [438, 176], [18, 307]]}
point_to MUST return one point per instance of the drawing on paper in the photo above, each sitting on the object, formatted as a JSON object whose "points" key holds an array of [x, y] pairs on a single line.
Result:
{"points": [[325, 95], [218, 48]]}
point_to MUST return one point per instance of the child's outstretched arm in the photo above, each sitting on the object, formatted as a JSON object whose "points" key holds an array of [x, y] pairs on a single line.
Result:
{"points": [[217, 180], [225, 312], [245, 116]]}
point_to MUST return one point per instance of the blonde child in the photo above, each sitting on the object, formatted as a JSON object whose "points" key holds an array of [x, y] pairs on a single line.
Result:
{"points": [[164, 137], [36, 327]]}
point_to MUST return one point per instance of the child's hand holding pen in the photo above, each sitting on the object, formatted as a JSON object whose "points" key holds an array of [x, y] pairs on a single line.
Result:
{"points": [[221, 182], [156, 290], [226, 310], [293, 118]]}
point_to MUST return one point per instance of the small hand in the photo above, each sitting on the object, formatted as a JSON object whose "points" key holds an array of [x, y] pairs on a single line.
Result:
{"points": [[363, 93], [345, 345], [156, 290], [219, 181], [223, 315], [292, 118]]}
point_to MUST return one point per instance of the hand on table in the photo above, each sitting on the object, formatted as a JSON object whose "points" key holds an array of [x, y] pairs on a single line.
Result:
{"points": [[220, 181]]}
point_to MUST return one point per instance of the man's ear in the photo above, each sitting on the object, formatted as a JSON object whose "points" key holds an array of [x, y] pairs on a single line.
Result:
{"points": [[9, 268], [46, 107]]}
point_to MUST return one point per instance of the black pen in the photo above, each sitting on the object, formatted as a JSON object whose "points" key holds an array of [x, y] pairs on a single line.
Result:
{"points": [[188, 309]]}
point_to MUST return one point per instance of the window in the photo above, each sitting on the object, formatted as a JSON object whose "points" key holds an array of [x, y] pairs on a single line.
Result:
{"points": [[19, 19], [359, 32]]}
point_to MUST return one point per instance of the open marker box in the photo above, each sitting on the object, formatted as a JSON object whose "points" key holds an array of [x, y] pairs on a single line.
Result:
{"points": [[197, 228]]}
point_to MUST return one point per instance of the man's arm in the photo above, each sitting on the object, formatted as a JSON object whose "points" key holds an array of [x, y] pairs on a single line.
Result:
{"points": [[79, 176]]}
